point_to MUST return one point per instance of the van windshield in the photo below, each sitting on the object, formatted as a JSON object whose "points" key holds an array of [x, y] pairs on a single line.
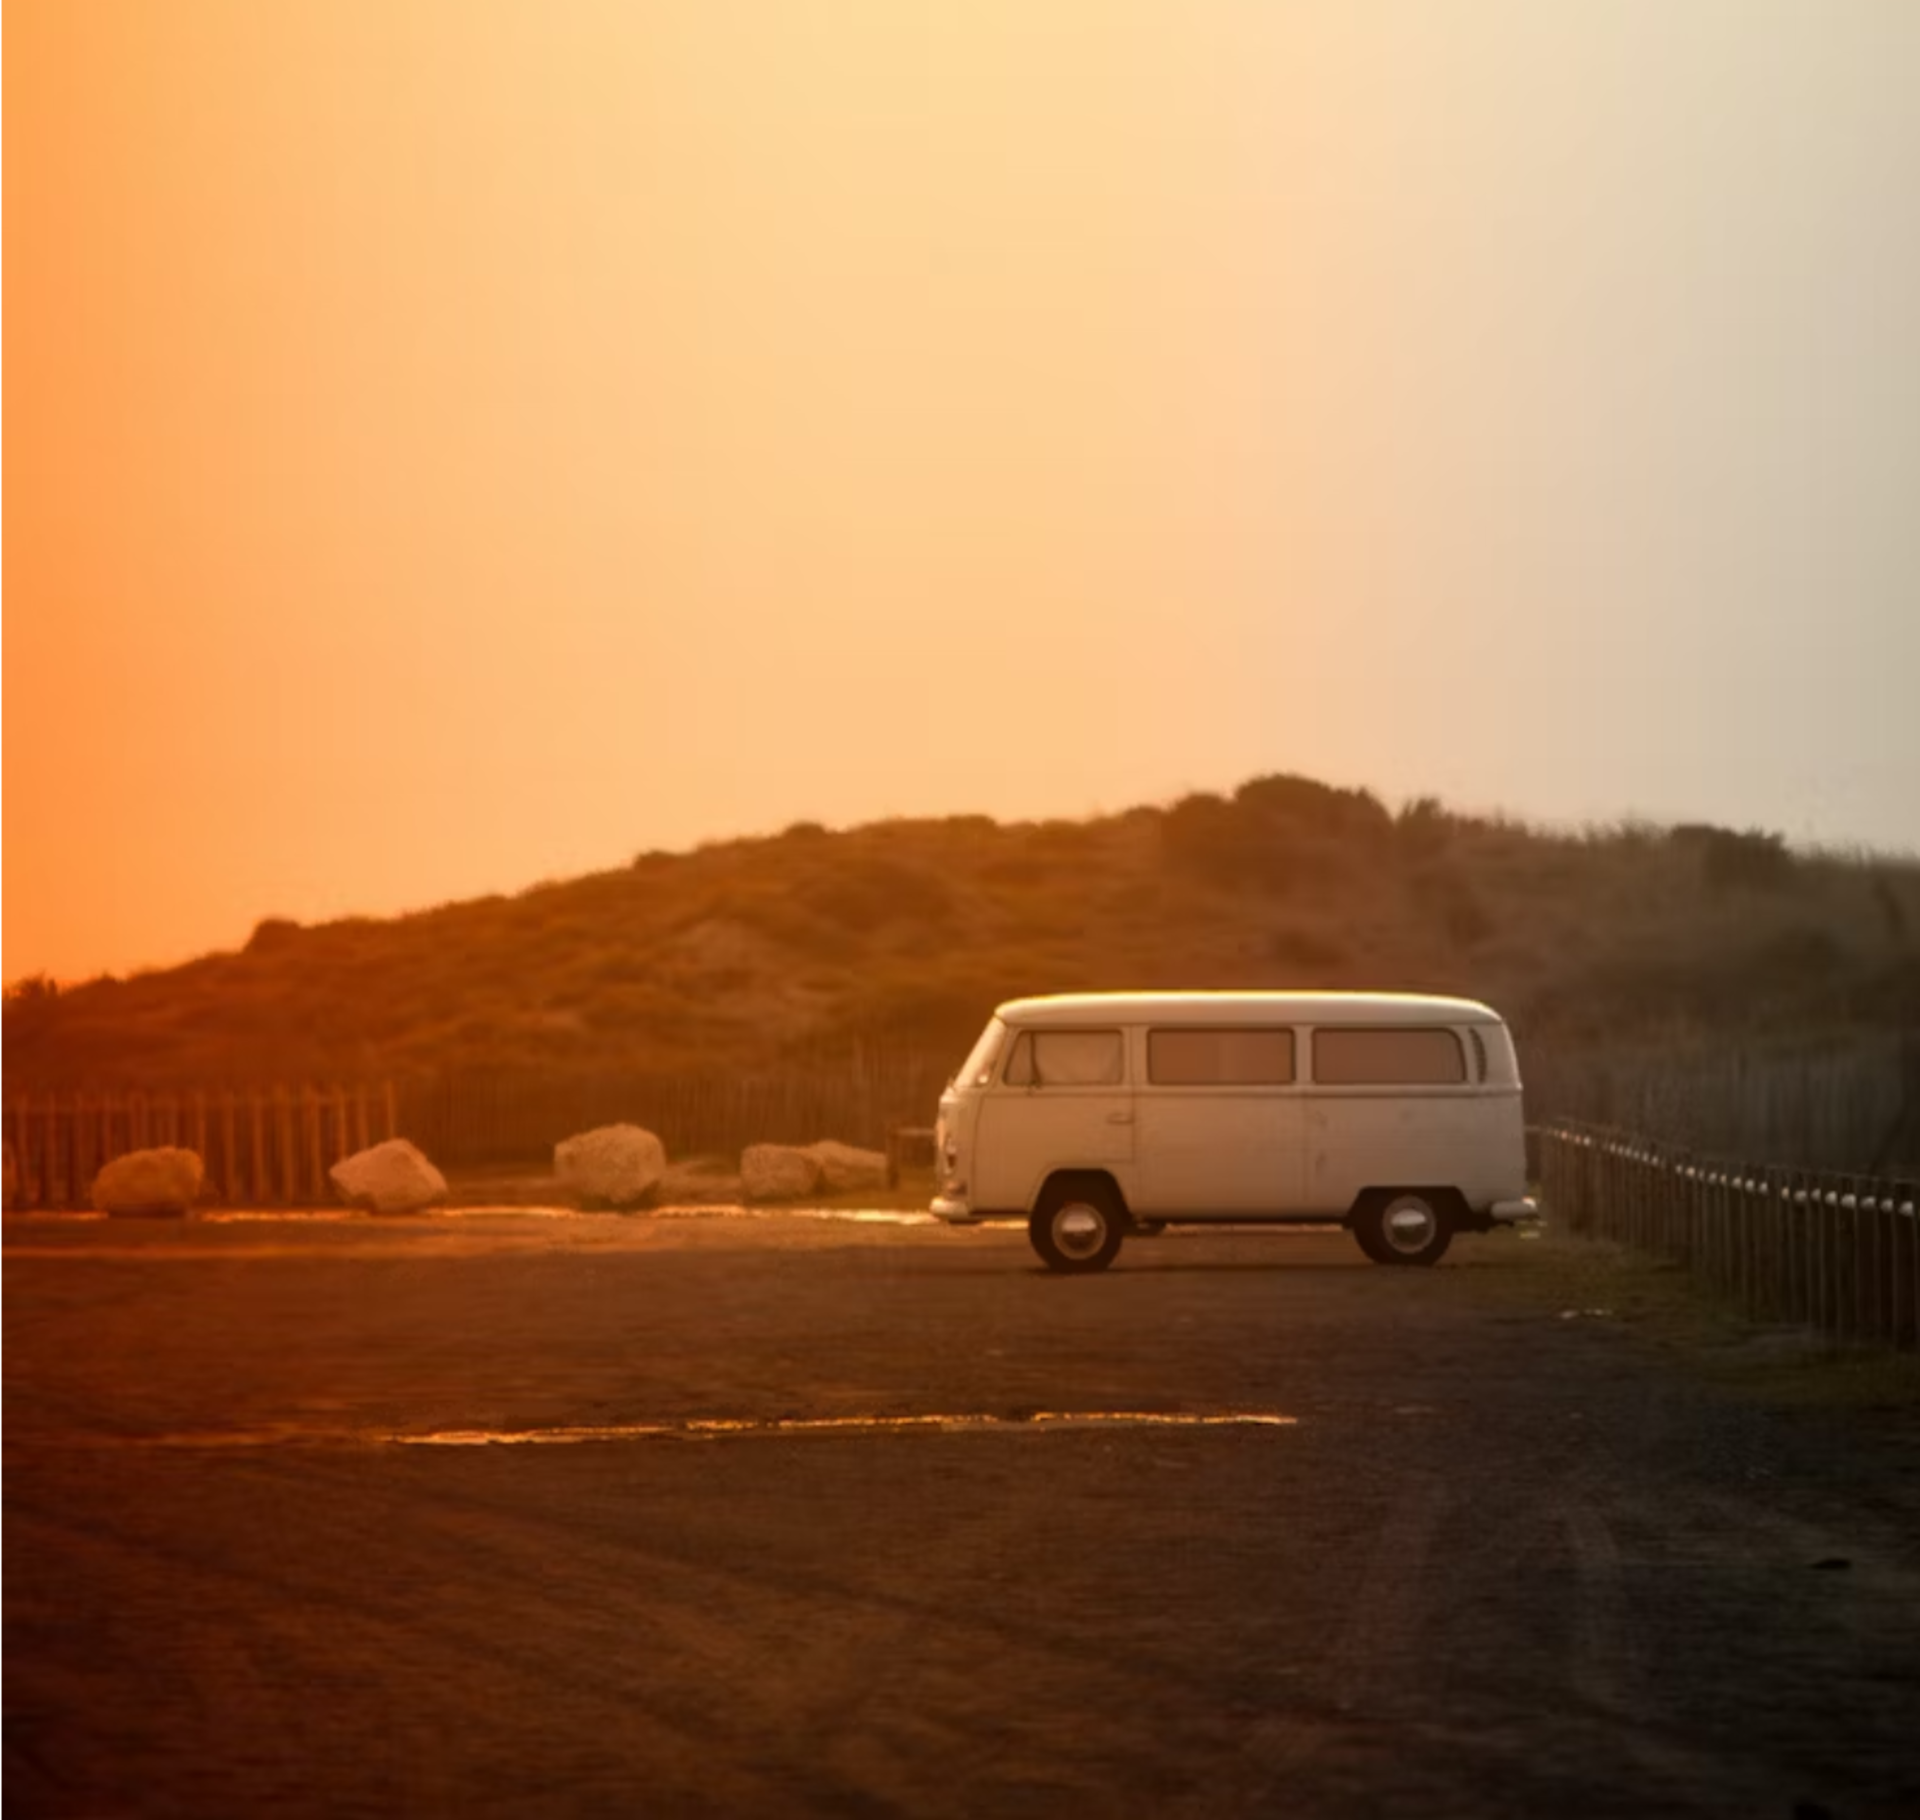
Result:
{"points": [[977, 1069]]}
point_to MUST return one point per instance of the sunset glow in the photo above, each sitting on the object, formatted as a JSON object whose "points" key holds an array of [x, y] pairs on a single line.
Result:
{"points": [[455, 445]]}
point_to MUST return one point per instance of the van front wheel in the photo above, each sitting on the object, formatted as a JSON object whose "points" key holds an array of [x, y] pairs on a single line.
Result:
{"points": [[1403, 1228], [1077, 1226]]}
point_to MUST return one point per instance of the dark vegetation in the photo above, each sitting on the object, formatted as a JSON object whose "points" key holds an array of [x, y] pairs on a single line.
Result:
{"points": [[754, 954]]}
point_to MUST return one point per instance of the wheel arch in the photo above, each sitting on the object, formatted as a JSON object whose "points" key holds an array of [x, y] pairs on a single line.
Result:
{"points": [[1080, 1178], [1444, 1196]]}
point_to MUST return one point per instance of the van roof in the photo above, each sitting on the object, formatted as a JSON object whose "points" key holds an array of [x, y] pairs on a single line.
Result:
{"points": [[1248, 1008]]}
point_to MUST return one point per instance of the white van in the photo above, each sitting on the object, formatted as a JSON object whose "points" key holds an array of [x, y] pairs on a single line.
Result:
{"points": [[1093, 1115]]}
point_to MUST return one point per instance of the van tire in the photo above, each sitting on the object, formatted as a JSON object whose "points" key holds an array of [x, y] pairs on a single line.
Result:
{"points": [[1402, 1226], [1077, 1224]]}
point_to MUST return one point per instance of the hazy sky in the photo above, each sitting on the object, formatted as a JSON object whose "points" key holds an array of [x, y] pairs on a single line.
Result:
{"points": [[451, 445]]}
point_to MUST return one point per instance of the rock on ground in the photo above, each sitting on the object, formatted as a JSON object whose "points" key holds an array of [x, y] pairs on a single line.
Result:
{"points": [[162, 1181], [845, 1167], [394, 1177], [615, 1166], [778, 1172]]}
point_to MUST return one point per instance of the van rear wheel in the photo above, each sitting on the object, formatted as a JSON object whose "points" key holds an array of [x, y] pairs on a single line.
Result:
{"points": [[1077, 1225], [1403, 1227]]}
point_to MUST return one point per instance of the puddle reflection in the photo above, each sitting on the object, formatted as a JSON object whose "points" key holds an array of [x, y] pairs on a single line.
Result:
{"points": [[725, 1427]]}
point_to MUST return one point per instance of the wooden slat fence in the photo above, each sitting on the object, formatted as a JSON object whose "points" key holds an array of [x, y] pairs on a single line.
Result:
{"points": [[492, 1118], [1837, 1253], [1852, 1105], [263, 1146]]}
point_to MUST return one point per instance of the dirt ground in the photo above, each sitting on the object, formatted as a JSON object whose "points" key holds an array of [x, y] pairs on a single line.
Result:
{"points": [[504, 1514]]}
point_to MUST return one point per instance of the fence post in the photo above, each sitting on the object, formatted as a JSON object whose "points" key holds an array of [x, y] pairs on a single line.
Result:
{"points": [[1762, 1208], [231, 1187], [1827, 1308], [46, 1186], [1606, 1205], [1800, 1253], [80, 1143], [1717, 1223], [22, 1153], [1890, 1260], [1906, 1263], [283, 1140], [257, 1154], [110, 1107], [1806, 1235], [310, 1117], [99, 1137], [1752, 1253], [1874, 1322]]}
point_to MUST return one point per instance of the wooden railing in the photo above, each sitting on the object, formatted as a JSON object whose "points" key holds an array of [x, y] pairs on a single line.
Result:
{"points": [[1837, 1253], [262, 1146]]}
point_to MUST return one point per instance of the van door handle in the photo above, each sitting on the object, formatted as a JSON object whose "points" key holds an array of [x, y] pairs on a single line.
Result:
{"points": [[1119, 1118]]}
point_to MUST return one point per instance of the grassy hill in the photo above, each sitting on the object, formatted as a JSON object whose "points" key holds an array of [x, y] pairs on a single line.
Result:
{"points": [[754, 954]]}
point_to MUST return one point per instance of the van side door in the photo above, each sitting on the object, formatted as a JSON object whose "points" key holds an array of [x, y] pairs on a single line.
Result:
{"points": [[1220, 1123], [1062, 1100]]}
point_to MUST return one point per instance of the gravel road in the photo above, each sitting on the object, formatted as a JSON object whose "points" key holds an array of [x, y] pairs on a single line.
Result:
{"points": [[589, 1515]]}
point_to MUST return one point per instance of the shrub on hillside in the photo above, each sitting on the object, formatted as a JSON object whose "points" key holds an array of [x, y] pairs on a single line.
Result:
{"points": [[1284, 801], [1451, 900], [1058, 840], [1802, 955], [1423, 827], [936, 1014], [1018, 869], [1308, 949], [1274, 833], [1222, 842], [1729, 859], [796, 923], [35, 989], [272, 934], [870, 893]]}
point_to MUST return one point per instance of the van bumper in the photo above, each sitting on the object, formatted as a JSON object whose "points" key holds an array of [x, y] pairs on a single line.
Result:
{"points": [[952, 1209], [1505, 1212]]}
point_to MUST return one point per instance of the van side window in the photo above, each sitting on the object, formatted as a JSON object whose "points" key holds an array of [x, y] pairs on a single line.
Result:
{"points": [[1066, 1058], [1219, 1058], [1388, 1058]]}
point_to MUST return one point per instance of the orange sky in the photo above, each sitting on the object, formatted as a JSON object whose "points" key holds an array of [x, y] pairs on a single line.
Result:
{"points": [[452, 445]]}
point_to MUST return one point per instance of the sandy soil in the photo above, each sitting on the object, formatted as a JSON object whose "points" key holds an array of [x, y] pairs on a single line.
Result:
{"points": [[260, 1557]]}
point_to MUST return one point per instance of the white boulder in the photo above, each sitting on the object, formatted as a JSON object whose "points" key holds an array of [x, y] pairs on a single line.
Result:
{"points": [[778, 1172], [616, 1165], [160, 1181], [845, 1168], [394, 1177]]}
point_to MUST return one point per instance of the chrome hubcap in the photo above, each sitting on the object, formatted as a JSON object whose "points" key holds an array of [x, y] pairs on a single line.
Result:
{"points": [[1079, 1230], [1409, 1225]]}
